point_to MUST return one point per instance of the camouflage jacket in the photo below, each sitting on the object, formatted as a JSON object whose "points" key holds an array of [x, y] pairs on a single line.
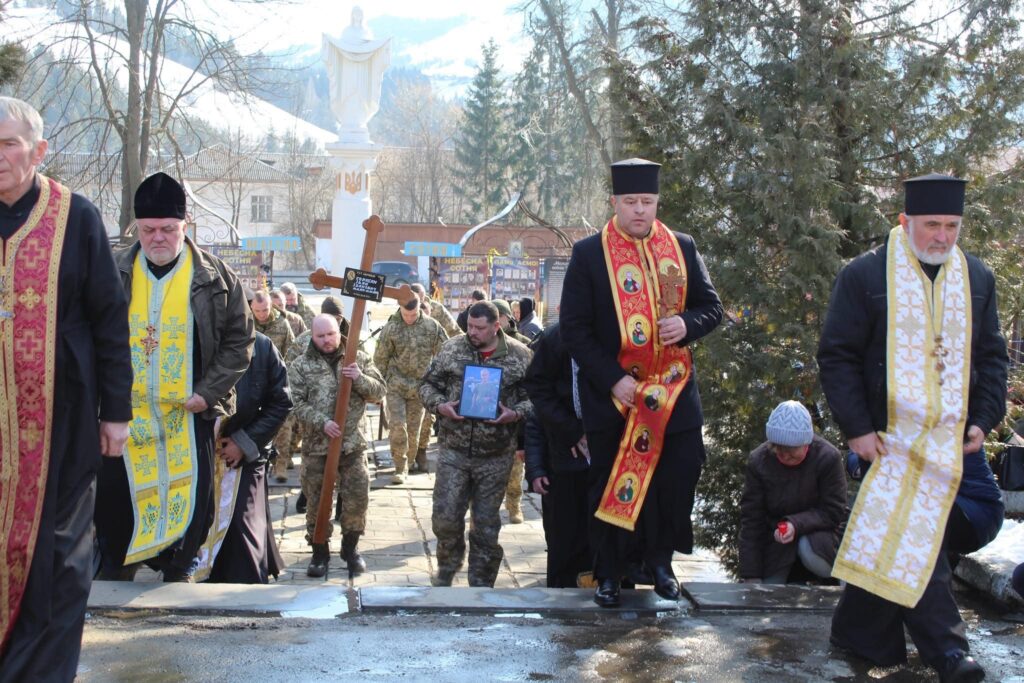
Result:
{"points": [[278, 329], [303, 310], [404, 351], [442, 315], [295, 320], [315, 390], [298, 347], [443, 383]]}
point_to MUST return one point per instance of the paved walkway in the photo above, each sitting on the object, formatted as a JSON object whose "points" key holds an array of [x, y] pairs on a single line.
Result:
{"points": [[399, 546]]}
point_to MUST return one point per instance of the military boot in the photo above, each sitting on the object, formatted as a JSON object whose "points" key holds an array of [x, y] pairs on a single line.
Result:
{"points": [[321, 560], [350, 554], [515, 510], [421, 461]]}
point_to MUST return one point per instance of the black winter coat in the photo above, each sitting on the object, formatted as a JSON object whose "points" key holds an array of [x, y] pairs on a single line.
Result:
{"points": [[263, 402], [591, 332], [554, 428], [811, 496], [851, 352]]}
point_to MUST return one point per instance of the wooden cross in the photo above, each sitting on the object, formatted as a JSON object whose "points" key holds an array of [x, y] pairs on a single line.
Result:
{"points": [[321, 280], [149, 342]]}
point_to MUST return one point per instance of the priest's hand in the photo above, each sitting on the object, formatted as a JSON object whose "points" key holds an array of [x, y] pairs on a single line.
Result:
{"points": [[671, 330], [332, 429], [196, 404], [581, 449], [113, 437], [540, 485], [869, 447], [449, 410], [974, 439], [230, 452], [506, 416], [625, 391]]}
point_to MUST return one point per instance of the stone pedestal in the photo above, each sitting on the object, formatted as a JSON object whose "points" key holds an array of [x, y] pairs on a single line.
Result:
{"points": [[352, 164]]}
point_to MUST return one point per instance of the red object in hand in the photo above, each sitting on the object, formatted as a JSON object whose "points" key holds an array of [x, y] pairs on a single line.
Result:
{"points": [[783, 528]]}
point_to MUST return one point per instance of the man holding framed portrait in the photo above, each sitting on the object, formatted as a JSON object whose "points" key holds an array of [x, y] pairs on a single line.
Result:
{"points": [[475, 386]]}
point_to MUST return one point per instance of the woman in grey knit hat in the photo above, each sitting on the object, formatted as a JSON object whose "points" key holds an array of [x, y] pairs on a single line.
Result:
{"points": [[794, 502]]}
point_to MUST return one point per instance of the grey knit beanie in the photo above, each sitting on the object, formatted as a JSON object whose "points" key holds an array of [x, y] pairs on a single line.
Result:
{"points": [[790, 425]]}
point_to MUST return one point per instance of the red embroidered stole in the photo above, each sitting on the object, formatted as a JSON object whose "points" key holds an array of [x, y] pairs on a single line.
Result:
{"points": [[28, 329], [648, 279]]}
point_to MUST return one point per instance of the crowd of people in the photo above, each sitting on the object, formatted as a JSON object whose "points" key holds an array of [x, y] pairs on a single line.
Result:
{"points": [[145, 387]]}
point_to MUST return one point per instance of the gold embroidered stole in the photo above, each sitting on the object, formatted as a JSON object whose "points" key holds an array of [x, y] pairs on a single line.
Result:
{"points": [[161, 453], [898, 521], [648, 281], [28, 343], [225, 494]]}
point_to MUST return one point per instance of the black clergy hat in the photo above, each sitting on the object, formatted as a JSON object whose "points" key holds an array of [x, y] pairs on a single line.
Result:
{"points": [[635, 176], [934, 195], [160, 196]]}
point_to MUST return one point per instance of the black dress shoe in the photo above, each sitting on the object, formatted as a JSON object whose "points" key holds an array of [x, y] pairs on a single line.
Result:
{"points": [[607, 593], [959, 667], [665, 583]]}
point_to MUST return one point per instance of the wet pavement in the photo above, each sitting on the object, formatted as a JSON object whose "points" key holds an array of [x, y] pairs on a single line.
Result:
{"points": [[156, 647]]}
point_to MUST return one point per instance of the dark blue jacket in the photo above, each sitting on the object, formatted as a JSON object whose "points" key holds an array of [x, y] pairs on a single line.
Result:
{"points": [[263, 402]]}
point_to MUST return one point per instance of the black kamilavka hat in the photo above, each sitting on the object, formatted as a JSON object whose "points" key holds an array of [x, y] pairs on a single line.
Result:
{"points": [[160, 196], [934, 195], [635, 176]]}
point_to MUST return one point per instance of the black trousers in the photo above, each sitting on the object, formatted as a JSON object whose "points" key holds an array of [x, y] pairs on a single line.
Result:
{"points": [[872, 627], [664, 524], [565, 511], [47, 637], [115, 521]]}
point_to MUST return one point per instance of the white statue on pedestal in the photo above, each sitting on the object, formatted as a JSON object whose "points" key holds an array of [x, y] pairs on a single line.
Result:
{"points": [[355, 64]]}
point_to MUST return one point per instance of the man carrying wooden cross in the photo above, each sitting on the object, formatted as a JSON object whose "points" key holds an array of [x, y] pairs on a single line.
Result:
{"points": [[914, 369], [635, 298]]}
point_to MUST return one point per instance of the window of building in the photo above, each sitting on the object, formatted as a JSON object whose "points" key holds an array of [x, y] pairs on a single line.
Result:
{"points": [[262, 209]]}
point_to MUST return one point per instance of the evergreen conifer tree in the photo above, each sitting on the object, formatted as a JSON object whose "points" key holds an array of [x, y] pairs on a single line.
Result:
{"points": [[481, 143]]}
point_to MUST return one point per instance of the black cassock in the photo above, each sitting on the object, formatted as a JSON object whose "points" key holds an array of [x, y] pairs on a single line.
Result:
{"points": [[590, 330], [249, 553], [93, 378]]}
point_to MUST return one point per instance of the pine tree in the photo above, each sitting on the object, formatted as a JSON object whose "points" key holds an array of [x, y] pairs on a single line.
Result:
{"points": [[481, 143], [786, 130], [12, 60]]}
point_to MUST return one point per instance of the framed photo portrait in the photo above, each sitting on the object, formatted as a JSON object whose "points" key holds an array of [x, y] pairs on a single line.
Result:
{"points": [[481, 387]]}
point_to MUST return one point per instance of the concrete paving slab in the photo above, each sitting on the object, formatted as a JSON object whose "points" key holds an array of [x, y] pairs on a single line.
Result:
{"points": [[290, 600], [753, 597], [390, 599]]}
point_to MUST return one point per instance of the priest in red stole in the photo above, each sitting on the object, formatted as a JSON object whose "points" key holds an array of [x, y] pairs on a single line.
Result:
{"points": [[636, 296], [65, 400]]}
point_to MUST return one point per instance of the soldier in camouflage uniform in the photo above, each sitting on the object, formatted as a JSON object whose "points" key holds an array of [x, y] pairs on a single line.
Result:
{"points": [[294, 302], [437, 311], [274, 325], [514, 490], [314, 378], [294, 319], [407, 344], [475, 455], [331, 306]]}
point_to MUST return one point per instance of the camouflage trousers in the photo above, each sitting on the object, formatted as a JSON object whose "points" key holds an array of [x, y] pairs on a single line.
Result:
{"points": [[514, 489], [426, 428], [477, 485], [405, 416], [286, 443], [353, 483]]}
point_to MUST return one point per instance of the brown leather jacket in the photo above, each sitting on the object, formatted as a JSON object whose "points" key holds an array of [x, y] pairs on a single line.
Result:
{"points": [[223, 321]]}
